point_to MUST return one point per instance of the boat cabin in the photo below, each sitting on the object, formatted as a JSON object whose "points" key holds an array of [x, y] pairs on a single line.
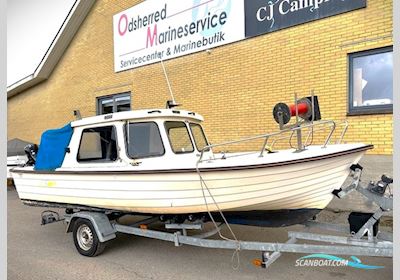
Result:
{"points": [[143, 138]]}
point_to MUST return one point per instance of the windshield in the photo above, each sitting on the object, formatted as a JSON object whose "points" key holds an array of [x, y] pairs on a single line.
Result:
{"points": [[179, 137], [198, 135]]}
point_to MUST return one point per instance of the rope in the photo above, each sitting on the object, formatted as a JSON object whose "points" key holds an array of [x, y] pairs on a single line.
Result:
{"points": [[312, 137], [237, 250], [290, 140]]}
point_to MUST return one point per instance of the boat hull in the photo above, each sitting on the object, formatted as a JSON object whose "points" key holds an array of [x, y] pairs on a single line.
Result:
{"points": [[306, 185]]}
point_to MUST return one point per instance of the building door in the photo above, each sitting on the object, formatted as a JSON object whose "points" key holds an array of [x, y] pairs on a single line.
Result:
{"points": [[114, 103]]}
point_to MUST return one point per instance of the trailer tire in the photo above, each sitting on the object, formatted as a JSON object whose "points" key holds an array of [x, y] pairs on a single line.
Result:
{"points": [[85, 238]]}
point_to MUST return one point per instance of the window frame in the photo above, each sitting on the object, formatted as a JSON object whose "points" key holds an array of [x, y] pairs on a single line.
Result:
{"points": [[189, 134], [365, 110], [113, 97], [194, 138], [126, 140], [96, 161]]}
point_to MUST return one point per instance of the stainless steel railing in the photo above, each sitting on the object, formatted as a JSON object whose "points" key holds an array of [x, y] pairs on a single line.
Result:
{"points": [[300, 126], [311, 131]]}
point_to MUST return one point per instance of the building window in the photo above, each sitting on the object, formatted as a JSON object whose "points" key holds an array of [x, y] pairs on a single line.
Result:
{"points": [[98, 144], [144, 140], [371, 82], [114, 103]]}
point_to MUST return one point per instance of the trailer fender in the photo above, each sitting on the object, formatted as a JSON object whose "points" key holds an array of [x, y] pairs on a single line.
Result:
{"points": [[105, 231]]}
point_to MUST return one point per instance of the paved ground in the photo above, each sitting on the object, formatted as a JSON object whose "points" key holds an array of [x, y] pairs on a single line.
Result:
{"points": [[47, 252]]}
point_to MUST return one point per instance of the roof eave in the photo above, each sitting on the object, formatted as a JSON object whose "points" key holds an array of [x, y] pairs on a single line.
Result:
{"points": [[59, 45]]}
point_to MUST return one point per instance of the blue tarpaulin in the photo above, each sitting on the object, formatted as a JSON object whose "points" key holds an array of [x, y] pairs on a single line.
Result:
{"points": [[52, 149]]}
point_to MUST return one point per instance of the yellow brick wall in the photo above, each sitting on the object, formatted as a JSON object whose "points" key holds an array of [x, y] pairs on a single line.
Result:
{"points": [[234, 87]]}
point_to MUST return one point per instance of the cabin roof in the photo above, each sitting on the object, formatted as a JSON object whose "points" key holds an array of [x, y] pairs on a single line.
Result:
{"points": [[139, 115]]}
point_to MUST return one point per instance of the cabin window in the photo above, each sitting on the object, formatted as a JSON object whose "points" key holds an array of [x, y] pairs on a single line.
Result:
{"points": [[98, 144], [144, 140], [179, 137], [198, 135]]}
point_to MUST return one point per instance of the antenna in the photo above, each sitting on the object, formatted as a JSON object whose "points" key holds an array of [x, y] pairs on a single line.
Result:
{"points": [[169, 103]]}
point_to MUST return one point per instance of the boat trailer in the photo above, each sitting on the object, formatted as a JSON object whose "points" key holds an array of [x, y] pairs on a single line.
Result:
{"points": [[91, 230]]}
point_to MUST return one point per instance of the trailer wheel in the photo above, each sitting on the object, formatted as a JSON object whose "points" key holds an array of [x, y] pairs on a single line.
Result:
{"points": [[86, 240]]}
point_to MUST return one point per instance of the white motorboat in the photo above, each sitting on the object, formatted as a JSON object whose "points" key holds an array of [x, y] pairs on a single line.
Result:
{"points": [[159, 162]]}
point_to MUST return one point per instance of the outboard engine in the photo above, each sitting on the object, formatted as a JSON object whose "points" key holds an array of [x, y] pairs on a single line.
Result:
{"points": [[31, 152]]}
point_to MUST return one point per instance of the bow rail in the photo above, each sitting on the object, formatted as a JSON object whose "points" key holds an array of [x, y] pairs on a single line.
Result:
{"points": [[295, 128]]}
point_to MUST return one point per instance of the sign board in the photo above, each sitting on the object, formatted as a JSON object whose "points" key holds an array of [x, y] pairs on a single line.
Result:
{"points": [[159, 30], [267, 16]]}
